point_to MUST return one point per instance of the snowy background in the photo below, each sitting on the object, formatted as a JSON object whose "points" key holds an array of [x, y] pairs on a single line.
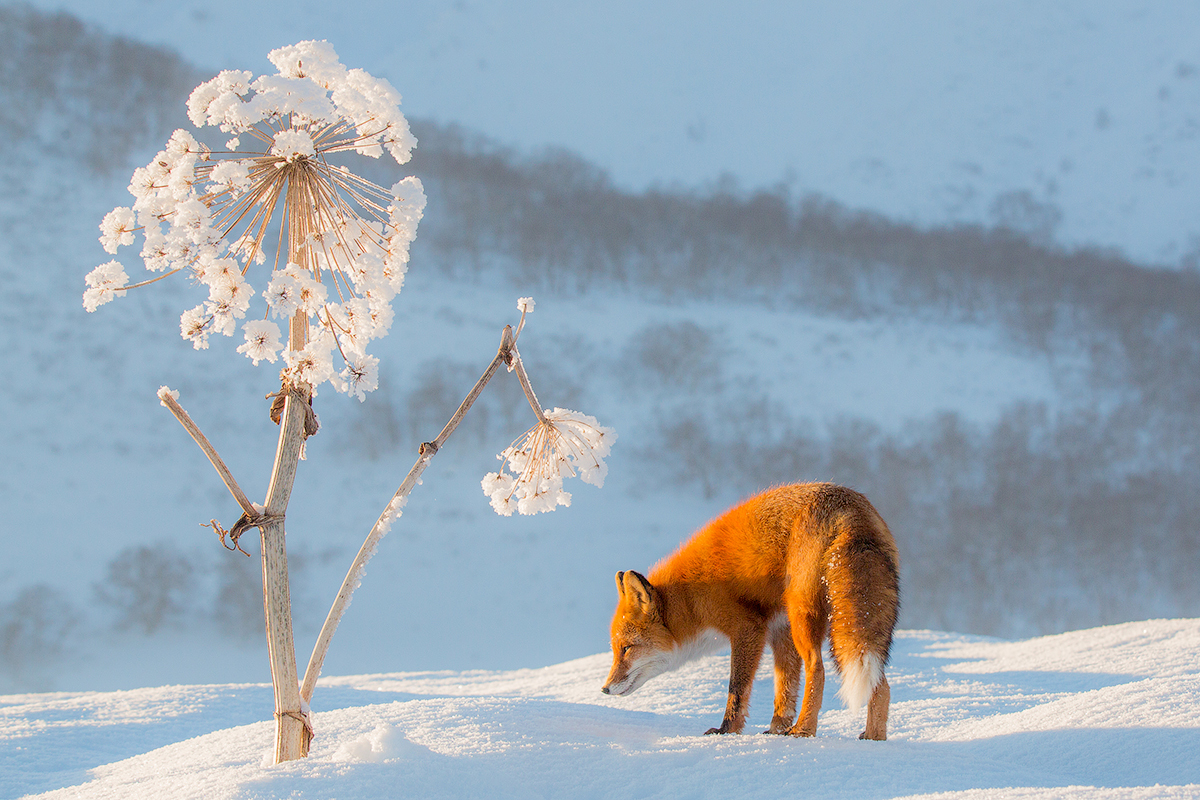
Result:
{"points": [[926, 112], [946, 255]]}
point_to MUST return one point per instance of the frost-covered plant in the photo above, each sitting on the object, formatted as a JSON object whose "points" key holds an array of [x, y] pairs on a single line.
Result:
{"points": [[342, 245], [341, 253], [337, 247], [563, 444]]}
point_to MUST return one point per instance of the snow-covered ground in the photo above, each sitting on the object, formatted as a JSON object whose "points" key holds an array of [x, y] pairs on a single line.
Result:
{"points": [[1110, 712], [1015, 110]]}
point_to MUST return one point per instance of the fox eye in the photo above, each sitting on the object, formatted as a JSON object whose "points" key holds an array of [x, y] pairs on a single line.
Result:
{"points": [[625, 650]]}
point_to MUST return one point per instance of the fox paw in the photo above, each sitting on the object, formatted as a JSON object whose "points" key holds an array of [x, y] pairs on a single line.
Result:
{"points": [[721, 730]]}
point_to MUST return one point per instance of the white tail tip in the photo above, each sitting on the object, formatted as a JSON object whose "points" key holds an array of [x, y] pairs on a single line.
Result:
{"points": [[859, 679]]}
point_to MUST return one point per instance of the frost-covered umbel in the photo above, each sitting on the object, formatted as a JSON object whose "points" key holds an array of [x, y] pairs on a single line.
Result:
{"points": [[566, 444], [342, 248]]}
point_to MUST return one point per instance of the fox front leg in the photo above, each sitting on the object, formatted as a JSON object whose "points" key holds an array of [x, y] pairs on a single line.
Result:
{"points": [[747, 649]]}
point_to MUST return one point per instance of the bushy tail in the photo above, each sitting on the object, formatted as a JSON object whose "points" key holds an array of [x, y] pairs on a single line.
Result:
{"points": [[862, 573], [859, 679]]}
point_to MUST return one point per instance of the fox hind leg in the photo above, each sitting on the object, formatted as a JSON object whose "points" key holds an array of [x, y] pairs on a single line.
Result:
{"points": [[808, 634], [787, 677], [877, 712]]}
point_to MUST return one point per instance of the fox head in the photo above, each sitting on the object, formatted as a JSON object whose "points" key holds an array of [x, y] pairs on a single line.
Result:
{"points": [[642, 645]]}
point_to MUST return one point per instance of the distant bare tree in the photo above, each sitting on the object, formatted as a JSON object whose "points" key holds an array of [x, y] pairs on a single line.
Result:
{"points": [[147, 587], [35, 631]]}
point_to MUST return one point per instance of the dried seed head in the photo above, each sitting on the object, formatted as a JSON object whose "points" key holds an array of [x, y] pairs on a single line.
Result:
{"points": [[341, 249]]}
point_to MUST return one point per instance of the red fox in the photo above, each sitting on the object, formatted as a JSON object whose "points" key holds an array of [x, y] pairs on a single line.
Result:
{"points": [[783, 568]]}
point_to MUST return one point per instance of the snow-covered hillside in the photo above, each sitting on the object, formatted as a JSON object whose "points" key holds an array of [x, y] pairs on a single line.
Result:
{"points": [[1015, 411], [1102, 713], [1073, 119]]}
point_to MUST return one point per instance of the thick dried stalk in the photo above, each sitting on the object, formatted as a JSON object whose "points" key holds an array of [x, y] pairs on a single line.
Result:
{"points": [[292, 729], [353, 577]]}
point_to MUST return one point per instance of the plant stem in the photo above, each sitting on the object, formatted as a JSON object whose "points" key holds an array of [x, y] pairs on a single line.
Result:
{"points": [[526, 386], [292, 729], [353, 577], [192, 428]]}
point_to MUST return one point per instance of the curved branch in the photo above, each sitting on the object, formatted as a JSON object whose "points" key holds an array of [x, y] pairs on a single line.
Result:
{"points": [[354, 576]]}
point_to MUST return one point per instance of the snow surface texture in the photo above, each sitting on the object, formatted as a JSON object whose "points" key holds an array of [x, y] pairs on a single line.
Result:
{"points": [[1075, 119], [1103, 713]]}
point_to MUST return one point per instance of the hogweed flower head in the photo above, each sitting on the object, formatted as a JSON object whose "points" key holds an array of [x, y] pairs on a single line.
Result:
{"points": [[341, 247], [564, 444]]}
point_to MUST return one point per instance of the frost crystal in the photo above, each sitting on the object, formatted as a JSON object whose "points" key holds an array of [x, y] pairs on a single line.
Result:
{"points": [[262, 341], [361, 375], [194, 326], [166, 391], [391, 514], [293, 145], [567, 444], [117, 229], [344, 240], [104, 283], [312, 365]]}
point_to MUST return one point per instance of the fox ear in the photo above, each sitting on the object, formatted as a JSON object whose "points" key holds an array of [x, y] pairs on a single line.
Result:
{"points": [[635, 585], [620, 586]]}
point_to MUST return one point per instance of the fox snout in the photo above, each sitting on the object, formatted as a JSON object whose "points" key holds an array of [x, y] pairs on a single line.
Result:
{"points": [[627, 675], [621, 680], [620, 688], [618, 682]]}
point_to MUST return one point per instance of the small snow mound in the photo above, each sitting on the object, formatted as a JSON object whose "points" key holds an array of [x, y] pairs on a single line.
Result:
{"points": [[384, 743]]}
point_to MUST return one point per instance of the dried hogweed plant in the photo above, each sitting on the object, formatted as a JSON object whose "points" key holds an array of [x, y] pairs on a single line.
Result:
{"points": [[338, 250]]}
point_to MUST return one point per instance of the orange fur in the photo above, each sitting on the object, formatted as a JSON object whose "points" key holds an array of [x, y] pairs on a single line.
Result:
{"points": [[783, 568]]}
